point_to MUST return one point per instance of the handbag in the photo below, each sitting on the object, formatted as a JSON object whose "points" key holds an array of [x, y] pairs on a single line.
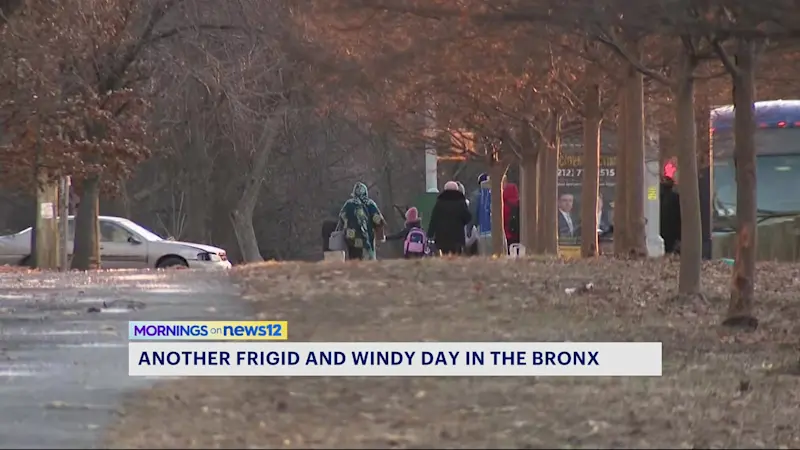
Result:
{"points": [[336, 241], [470, 235]]}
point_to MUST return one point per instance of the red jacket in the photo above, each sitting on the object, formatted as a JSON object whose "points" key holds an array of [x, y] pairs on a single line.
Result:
{"points": [[510, 198]]}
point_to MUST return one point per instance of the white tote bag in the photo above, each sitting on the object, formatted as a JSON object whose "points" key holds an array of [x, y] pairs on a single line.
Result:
{"points": [[336, 241]]}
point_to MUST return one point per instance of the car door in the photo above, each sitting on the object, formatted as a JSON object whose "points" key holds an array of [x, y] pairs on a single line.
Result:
{"points": [[119, 248]]}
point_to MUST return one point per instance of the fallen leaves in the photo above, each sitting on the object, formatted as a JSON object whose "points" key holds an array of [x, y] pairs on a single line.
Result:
{"points": [[718, 387]]}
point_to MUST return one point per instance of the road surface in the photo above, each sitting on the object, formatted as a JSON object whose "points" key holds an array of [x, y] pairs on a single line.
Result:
{"points": [[63, 338]]}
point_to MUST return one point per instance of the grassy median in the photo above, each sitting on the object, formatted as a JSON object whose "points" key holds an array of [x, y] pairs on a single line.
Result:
{"points": [[719, 390]]}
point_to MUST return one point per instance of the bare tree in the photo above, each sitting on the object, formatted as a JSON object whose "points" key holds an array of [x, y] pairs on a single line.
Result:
{"points": [[742, 68], [591, 171]]}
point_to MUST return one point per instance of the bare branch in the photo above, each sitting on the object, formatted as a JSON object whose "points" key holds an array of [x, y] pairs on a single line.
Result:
{"points": [[612, 42], [725, 58]]}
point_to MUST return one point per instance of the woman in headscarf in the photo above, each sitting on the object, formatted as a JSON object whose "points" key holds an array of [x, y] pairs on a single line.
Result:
{"points": [[449, 217], [361, 220]]}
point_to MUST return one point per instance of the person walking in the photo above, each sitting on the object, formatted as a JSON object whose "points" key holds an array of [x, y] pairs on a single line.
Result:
{"points": [[670, 225], [474, 203], [449, 217], [511, 211], [475, 199], [362, 222]]}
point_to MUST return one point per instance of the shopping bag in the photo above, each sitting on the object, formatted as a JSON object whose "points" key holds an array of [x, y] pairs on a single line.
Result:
{"points": [[337, 240]]}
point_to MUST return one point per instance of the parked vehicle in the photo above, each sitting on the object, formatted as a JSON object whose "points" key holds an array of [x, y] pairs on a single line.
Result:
{"points": [[125, 245]]}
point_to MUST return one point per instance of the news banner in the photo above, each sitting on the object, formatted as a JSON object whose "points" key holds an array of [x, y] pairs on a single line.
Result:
{"points": [[261, 349]]}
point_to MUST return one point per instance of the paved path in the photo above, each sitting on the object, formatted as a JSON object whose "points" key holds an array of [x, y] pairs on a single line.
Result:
{"points": [[63, 356]]}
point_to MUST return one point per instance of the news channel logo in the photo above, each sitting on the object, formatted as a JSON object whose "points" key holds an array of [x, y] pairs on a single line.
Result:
{"points": [[208, 331]]}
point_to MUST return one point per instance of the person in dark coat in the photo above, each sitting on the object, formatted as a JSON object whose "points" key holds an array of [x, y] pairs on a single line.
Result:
{"points": [[670, 216], [510, 202], [449, 217]]}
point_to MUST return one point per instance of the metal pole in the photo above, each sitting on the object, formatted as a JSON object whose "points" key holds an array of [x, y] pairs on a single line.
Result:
{"points": [[63, 222]]}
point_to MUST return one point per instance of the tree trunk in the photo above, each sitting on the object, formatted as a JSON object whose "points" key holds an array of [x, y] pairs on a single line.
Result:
{"points": [[591, 173], [691, 240], [621, 195], [242, 213], [541, 207], [529, 210], [634, 160], [705, 170], [496, 172], [549, 198], [242, 221], [46, 226], [740, 308], [86, 252]]}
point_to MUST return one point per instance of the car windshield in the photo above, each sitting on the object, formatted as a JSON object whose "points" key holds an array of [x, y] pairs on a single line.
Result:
{"points": [[777, 178], [141, 231]]}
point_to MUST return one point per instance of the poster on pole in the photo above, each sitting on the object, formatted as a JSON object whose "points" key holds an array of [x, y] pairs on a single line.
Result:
{"points": [[46, 210], [570, 184]]}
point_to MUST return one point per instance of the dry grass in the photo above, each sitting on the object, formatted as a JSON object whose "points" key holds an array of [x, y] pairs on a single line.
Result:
{"points": [[718, 390]]}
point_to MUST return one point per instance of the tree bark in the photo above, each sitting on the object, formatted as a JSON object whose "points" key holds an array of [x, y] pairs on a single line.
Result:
{"points": [[549, 198], [691, 239], [740, 308], [621, 196], [634, 160], [541, 187], [86, 252], [591, 173], [529, 210], [242, 213], [46, 228]]}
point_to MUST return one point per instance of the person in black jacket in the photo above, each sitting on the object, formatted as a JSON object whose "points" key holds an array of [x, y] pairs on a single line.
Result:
{"points": [[449, 217], [670, 216]]}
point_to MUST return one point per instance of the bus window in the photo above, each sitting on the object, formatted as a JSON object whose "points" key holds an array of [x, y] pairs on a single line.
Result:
{"points": [[777, 176]]}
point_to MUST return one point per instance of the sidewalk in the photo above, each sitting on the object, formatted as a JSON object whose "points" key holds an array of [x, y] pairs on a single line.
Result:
{"points": [[63, 346]]}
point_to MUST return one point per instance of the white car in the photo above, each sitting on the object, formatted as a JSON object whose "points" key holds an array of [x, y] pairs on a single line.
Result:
{"points": [[125, 245]]}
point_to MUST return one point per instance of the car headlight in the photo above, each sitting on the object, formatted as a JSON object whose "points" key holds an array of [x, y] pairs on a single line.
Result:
{"points": [[208, 257]]}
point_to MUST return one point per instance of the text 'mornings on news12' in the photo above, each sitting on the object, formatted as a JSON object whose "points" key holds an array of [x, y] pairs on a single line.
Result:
{"points": [[260, 348]]}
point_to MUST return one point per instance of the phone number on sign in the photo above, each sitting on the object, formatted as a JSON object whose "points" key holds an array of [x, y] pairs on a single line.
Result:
{"points": [[604, 172]]}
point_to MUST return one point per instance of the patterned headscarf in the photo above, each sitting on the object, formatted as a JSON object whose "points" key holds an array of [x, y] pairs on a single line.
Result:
{"points": [[361, 193]]}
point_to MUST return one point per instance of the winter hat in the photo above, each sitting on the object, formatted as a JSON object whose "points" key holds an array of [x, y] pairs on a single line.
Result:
{"points": [[483, 177], [451, 186], [412, 215]]}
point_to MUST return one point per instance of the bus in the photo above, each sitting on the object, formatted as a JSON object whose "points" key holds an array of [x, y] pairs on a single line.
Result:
{"points": [[777, 162]]}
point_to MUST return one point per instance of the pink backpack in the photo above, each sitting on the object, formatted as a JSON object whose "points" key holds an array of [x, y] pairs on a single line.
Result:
{"points": [[415, 242]]}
